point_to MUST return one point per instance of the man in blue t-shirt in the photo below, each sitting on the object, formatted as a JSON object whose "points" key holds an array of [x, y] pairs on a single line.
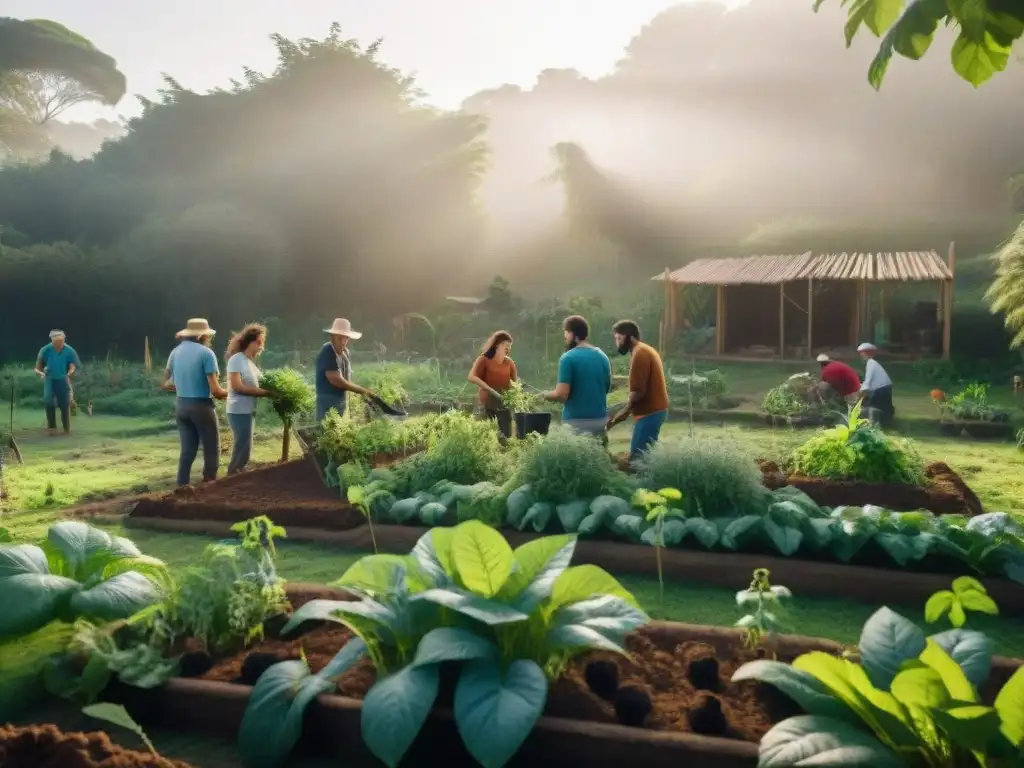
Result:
{"points": [[56, 363], [334, 370], [584, 380]]}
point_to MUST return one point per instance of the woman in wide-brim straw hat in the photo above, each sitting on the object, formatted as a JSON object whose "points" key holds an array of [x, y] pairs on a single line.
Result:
{"points": [[192, 374], [334, 370]]}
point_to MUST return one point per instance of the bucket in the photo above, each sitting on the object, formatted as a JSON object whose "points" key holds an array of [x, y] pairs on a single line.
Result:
{"points": [[532, 423]]}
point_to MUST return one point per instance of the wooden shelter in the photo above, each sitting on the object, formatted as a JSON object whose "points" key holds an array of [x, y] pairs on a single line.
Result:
{"points": [[779, 307]]}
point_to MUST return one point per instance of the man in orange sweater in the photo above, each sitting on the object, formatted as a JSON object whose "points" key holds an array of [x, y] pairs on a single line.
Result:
{"points": [[648, 391]]}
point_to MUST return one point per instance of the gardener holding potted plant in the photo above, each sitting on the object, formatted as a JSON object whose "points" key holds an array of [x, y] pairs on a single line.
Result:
{"points": [[493, 372], [648, 390], [334, 370]]}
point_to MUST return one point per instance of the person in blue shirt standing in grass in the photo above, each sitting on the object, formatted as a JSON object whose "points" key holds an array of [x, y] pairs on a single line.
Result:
{"points": [[56, 363], [584, 380]]}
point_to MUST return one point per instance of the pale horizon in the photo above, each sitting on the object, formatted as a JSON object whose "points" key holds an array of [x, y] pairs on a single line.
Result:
{"points": [[454, 47]]}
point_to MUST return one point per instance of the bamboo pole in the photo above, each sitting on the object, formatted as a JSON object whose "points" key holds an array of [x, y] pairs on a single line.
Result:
{"points": [[666, 322], [719, 319], [810, 316], [782, 321], [947, 313]]}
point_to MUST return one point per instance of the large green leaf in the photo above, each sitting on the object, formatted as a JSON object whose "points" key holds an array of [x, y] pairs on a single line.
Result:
{"points": [[571, 514], [29, 601], [920, 687], [971, 650], [582, 582], [702, 529], [340, 610], [374, 574], [802, 687], [395, 709], [785, 539], [738, 531], [343, 660], [910, 36], [1010, 706], [876, 15], [116, 598], [972, 727], [496, 713], [886, 641], [977, 61], [22, 558], [609, 615], [823, 741], [432, 554], [77, 542], [540, 563], [953, 677], [452, 644], [490, 612], [272, 723]]}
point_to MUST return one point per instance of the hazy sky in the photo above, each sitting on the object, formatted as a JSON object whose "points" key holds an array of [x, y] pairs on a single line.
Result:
{"points": [[456, 47]]}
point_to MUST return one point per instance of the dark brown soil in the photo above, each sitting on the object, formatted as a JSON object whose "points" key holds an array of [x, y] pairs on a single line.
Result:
{"points": [[290, 493], [946, 494], [44, 746], [656, 669]]}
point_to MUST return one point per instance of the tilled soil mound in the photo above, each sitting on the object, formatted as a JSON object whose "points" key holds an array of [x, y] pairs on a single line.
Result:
{"points": [[45, 746], [291, 493], [946, 494]]}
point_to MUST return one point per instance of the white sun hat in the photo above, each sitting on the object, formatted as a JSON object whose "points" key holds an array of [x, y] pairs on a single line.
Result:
{"points": [[867, 346], [56, 333], [196, 327], [342, 327], [823, 358]]}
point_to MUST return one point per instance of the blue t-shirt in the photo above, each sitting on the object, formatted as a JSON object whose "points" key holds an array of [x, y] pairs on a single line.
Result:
{"points": [[190, 363], [588, 373], [56, 363], [329, 360]]}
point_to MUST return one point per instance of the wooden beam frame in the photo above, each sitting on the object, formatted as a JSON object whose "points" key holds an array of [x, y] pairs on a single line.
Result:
{"points": [[810, 317], [947, 303], [782, 321], [719, 320]]}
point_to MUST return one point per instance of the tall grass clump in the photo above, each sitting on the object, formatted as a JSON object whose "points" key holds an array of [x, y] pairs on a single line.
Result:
{"points": [[565, 466], [716, 478]]}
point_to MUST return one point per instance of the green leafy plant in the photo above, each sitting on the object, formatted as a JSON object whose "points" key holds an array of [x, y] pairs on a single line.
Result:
{"points": [[765, 598], [117, 715], [257, 535], [290, 396], [657, 505], [517, 400], [911, 700], [783, 401], [967, 594], [856, 450], [77, 572], [358, 498], [564, 466], [512, 620], [386, 384], [971, 404]]}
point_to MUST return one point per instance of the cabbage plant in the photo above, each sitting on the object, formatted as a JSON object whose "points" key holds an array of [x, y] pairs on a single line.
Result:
{"points": [[512, 620], [912, 700], [77, 572]]}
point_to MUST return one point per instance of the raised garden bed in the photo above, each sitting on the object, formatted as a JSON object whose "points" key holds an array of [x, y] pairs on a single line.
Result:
{"points": [[985, 430], [805, 577], [948, 494], [674, 690], [45, 746]]}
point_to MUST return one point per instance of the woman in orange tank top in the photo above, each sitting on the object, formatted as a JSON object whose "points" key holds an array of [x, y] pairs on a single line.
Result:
{"points": [[493, 372]]}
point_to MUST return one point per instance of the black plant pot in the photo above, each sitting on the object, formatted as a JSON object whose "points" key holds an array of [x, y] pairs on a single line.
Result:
{"points": [[532, 423]]}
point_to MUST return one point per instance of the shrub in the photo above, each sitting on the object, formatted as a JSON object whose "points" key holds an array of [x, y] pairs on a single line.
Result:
{"points": [[565, 465], [460, 449], [857, 450], [716, 479]]}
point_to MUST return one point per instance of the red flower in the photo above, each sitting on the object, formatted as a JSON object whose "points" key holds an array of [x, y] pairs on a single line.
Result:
{"points": [[938, 395]]}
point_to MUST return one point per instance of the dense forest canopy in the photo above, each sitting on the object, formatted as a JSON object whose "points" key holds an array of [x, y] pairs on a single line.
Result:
{"points": [[326, 186]]}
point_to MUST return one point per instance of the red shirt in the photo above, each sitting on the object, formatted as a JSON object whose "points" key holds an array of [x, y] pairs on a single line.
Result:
{"points": [[841, 377]]}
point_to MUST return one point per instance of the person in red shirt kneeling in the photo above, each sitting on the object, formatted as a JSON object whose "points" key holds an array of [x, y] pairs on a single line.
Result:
{"points": [[840, 378]]}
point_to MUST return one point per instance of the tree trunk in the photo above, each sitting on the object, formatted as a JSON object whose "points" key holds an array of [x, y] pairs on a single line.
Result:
{"points": [[286, 440]]}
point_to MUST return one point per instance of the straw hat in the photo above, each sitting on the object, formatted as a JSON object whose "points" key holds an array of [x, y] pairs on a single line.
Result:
{"points": [[823, 358], [56, 333], [867, 347], [196, 327], [342, 327]]}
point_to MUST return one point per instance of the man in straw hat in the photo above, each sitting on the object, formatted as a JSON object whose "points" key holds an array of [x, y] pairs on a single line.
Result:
{"points": [[334, 370], [839, 378], [192, 374], [877, 386], [56, 363]]}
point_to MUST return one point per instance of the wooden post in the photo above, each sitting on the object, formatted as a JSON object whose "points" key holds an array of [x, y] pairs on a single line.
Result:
{"points": [[719, 320], [947, 309], [810, 317], [782, 321]]}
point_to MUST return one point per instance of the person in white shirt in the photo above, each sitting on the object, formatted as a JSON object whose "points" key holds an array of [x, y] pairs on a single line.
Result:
{"points": [[877, 386], [243, 389]]}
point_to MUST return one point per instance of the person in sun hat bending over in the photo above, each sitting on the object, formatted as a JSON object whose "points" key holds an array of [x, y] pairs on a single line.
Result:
{"points": [[192, 374], [648, 391], [56, 363], [334, 370], [584, 381], [877, 386], [839, 378]]}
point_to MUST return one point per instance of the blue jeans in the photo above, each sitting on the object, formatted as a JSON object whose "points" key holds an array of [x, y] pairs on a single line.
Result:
{"points": [[646, 431], [242, 425], [325, 401], [197, 426], [57, 394]]}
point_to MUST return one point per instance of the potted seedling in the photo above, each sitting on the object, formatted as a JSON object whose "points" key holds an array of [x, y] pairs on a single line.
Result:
{"points": [[521, 404]]}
